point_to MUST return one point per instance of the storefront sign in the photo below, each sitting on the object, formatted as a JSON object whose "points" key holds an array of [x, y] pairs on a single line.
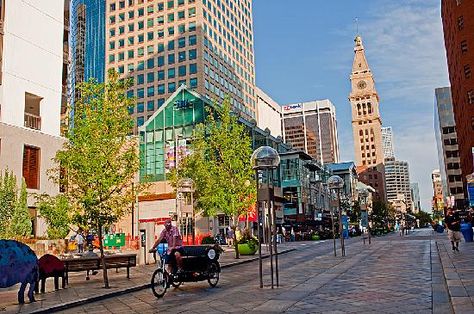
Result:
{"points": [[183, 104]]}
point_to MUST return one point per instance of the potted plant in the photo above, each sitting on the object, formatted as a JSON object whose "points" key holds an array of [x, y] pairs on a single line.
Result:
{"points": [[247, 244]]}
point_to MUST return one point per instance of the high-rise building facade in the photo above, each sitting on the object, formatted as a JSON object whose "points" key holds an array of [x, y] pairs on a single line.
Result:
{"points": [[312, 127], [87, 43], [458, 27], [415, 197], [32, 61], [448, 147], [387, 142], [268, 113], [397, 182], [366, 123], [205, 44]]}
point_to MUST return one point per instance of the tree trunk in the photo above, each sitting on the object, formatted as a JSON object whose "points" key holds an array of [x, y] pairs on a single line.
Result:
{"points": [[236, 245], [102, 259]]}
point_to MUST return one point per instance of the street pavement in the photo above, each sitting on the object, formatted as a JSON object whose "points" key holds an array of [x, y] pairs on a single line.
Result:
{"points": [[414, 273]]}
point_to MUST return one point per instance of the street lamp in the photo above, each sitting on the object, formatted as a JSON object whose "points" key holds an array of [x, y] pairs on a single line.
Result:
{"points": [[336, 183], [266, 158], [365, 212]]}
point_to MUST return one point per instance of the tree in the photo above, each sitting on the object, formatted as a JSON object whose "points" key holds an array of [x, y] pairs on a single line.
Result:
{"points": [[8, 199], [100, 159], [382, 213], [220, 166], [21, 222], [56, 212]]}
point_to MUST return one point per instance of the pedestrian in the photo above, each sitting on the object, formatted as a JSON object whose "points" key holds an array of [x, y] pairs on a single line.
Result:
{"points": [[453, 223], [230, 236], [79, 241]]}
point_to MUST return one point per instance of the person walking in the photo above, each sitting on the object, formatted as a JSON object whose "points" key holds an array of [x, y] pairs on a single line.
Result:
{"points": [[80, 241], [453, 224]]}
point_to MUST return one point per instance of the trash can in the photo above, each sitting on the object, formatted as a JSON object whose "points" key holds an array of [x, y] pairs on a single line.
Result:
{"points": [[466, 230]]}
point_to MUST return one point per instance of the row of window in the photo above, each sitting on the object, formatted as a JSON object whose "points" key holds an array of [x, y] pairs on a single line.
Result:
{"points": [[180, 15], [160, 89], [171, 73], [150, 106], [141, 26], [150, 9], [150, 63]]}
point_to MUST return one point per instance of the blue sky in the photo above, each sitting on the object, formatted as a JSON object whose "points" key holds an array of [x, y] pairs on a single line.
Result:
{"points": [[304, 51]]}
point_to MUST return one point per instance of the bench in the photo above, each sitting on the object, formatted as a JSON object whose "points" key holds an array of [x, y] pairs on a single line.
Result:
{"points": [[94, 263]]}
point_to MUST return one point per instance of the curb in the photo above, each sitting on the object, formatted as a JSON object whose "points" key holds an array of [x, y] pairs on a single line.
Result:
{"points": [[68, 305]]}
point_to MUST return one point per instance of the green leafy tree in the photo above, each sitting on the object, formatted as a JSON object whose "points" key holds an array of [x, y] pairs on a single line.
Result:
{"points": [[100, 159], [220, 166], [21, 221], [8, 200], [56, 211]]}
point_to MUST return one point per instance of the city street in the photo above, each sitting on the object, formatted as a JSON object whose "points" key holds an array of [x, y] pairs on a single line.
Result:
{"points": [[392, 275]]}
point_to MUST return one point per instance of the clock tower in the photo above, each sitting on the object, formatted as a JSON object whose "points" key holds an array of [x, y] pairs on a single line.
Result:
{"points": [[366, 123]]}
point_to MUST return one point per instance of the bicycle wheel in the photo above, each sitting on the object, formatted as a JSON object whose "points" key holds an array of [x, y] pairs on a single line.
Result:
{"points": [[159, 283], [213, 273]]}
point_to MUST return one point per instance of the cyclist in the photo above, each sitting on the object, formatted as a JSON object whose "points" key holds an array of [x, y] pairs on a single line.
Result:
{"points": [[175, 246]]}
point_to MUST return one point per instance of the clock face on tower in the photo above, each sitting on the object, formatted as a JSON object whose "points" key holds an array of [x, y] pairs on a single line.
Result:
{"points": [[361, 84]]}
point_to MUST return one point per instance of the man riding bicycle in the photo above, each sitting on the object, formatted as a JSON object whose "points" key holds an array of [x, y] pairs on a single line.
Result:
{"points": [[175, 246]]}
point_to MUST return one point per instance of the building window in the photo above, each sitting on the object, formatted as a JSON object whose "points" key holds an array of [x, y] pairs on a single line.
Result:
{"points": [[180, 15], [470, 97], [31, 166], [193, 68], [171, 58], [182, 70], [192, 40], [181, 42], [150, 105], [464, 46], [171, 45], [192, 26], [161, 89], [150, 77], [460, 22], [150, 91], [140, 107], [192, 54], [161, 75], [467, 71], [171, 87], [182, 56], [193, 82], [171, 73], [140, 121]]}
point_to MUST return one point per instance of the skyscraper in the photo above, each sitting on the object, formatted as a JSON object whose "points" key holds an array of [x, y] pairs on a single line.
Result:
{"points": [[415, 197], [458, 27], [31, 82], [207, 45], [448, 147], [312, 127], [87, 43], [366, 123], [268, 113], [387, 142], [397, 180]]}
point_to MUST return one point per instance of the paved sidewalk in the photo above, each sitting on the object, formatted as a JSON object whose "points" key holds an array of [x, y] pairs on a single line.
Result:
{"points": [[458, 269], [393, 275], [80, 290]]}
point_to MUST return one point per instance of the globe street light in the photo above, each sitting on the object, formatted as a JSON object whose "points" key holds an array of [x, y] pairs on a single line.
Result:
{"points": [[266, 158], [336, 183]]}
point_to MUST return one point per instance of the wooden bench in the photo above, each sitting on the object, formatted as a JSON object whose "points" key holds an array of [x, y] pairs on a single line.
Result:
{"points": [[94, 263]]}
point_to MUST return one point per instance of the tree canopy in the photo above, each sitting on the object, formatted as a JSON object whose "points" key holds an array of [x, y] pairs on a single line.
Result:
{"points": [[99, 160], [220, 165]]}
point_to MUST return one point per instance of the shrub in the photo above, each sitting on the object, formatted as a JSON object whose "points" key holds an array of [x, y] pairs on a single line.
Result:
{"points": [[249, 239]]}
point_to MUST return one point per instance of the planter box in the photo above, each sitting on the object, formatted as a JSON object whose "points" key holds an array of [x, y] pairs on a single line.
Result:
{"points": [[245, 249]]}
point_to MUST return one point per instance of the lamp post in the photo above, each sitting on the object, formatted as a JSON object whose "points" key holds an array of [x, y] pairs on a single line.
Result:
{"points": [[266, 158], [365, 195], [336, 183]]}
